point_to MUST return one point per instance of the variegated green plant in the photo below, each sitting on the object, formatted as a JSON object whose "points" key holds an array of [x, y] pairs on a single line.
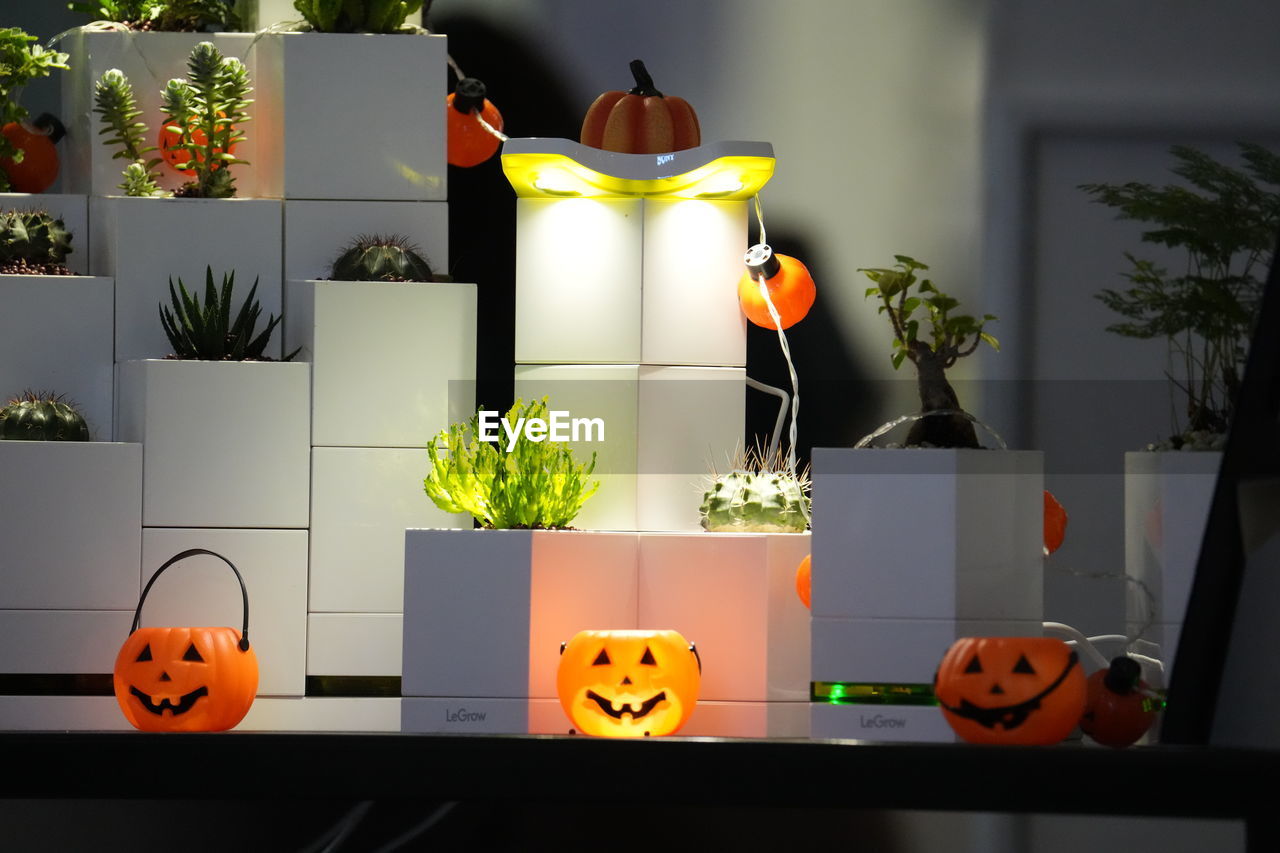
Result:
{"points": [[536, 484]]}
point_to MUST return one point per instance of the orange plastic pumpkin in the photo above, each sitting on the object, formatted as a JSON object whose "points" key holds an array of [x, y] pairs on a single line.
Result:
{"points": [[172, 152], [186, 679], [641, 120], [628, 683], [39, 167], [470, 143], [1010, 690], [790, 286], [804, 580], [1117, 711], [1055, 524]]}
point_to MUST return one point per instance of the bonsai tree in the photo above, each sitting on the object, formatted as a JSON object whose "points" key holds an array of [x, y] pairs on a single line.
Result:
{"points": [[358, 16], [208, 332], [20, 62], [189, 16], [1225, 226], [949, 337], [202, 127], [33, 243]]}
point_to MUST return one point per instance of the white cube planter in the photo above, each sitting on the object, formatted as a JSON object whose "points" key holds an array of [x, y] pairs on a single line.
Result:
{"points": [[664, 429], [316, 232], [145, 242], [1167, 497], [911, 549], [391, 87], [362, 501], [630, 281], [406, 348], [73, 529], [58, 337], [225, 444], [355, 644], [61, 641], [150, 60], [71, 208], [486, 611], [201, 590]]}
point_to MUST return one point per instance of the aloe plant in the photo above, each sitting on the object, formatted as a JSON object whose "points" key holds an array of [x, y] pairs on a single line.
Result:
{"points": [[207, 331]]}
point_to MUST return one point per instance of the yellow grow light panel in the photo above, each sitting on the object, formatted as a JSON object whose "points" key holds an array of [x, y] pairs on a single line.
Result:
{"points": [[562, 168]]}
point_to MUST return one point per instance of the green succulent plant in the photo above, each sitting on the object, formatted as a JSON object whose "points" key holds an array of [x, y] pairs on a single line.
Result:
{"points": [[761, 494], [376, 257], [20, 62], [358, 16], [190, 16], [537, 484], [42, 416], [115, 103], [208, 332], [32, 242]]}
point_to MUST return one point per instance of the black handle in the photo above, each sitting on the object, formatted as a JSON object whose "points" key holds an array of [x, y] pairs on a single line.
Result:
{"points": [[191, 552]]}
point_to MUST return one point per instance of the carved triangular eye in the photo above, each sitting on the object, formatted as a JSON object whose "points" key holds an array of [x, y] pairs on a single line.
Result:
{"points": [[602, 659], [975, 665], [193, 654], [145, 654], [1024, 666], [648, 659]]}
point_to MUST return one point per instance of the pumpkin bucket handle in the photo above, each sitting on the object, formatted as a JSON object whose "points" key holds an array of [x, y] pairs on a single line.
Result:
{"points": [[191, 552]]}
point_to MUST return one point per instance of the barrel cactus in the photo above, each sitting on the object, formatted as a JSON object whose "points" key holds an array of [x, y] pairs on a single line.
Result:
{"points": [[378, 257], [32, 242], [757, 497], [42, 417]]}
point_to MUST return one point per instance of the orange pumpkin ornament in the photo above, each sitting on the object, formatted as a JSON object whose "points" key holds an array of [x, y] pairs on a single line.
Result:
{"points": [[186, 679], [641, 120], [1055, 523], [470, 143], [1010, 690], [38, 168], [628, 683], [804, 580], [1117, 711], [790, 286]]}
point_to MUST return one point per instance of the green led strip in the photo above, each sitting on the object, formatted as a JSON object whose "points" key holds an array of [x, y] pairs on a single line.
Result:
{"points": [[857, 693]]}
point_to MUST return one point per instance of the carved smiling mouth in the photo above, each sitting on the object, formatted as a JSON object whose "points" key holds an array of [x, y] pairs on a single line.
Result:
{"points": [[607, 707], [1009, 717], [184, 703]]}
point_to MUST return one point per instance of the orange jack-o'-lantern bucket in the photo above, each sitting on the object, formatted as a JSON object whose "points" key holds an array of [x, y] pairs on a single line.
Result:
{"points": [[186, 679]]}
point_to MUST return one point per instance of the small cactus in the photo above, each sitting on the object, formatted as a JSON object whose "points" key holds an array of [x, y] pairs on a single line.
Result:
{"points": [[33, 243], [377, 257], [762, 494], [35, 416]]}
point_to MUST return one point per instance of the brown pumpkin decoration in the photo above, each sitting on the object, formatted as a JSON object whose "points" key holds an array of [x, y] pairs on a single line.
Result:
{"points": [[641, 120], [186, 679], [628, 683], [1010, 690]]}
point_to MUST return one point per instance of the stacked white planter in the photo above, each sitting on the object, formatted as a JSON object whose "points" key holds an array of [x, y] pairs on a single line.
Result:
{"points": [[911, 550]]}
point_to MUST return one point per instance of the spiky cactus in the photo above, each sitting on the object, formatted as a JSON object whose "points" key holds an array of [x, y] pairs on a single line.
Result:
{"points": [[762, 494], [377, 257], [42, 416], [32, 242], [358, 16]]}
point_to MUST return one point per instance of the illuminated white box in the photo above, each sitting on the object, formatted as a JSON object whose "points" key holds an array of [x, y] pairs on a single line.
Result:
{"points": [[393, 363], [61, 713], [202, 590], [362, 501], [664, 428], [316, 232], [354, 644], [629, 281], [72, 209], [322, 714], [150, 60], [77, 642], [58, 337], [71, 523], [225, 443], [145, 242]]}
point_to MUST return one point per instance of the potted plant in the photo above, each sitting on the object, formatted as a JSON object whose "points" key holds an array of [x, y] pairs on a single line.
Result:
{"points": [[516, 589], [1220, 222], [917, 546], [28, 160], [199, 144], [207, 464]]}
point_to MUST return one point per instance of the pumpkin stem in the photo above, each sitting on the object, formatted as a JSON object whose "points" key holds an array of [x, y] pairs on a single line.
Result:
{"points": [[469, 95], [644, 83], [1122, 676], [48, 123]]}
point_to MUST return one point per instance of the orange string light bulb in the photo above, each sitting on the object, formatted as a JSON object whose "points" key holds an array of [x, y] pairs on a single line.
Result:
{"points": [[470, 142], [791, 287], [39, 166]]}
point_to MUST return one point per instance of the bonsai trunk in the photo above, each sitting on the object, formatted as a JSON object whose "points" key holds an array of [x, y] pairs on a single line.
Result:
{"points": [[937, 394]]}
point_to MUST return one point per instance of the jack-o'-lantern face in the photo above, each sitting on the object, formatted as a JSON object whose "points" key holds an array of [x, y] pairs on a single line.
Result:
{"points": [[1015, 690], [185, 679], [628, 683]]}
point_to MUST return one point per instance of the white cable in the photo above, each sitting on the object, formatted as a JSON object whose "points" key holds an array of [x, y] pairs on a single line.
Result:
{"points": [[786, 349], [1081, 641], [782, 411]]}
